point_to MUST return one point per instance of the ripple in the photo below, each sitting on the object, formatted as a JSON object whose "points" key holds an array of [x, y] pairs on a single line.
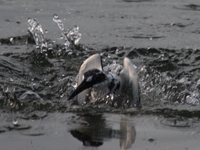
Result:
{"points": [[136, 1], [33, 133], [150, 37], [2, 130], [34, 115], [17, 127], [193, 7], [175, 122]]}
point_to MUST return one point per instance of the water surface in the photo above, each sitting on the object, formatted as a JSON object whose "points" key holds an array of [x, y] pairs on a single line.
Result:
{"points": [[160, 37]]}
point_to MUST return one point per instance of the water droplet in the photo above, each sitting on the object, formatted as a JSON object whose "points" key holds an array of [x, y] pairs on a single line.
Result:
{"points": [[62, 95], [36, 30], [12, 40], [73, 35], [74, 85], [59, 22], [61, 37], [15, 122], [115, 105], [117, 51], [135, 66], [70, 53], [198, 83]]}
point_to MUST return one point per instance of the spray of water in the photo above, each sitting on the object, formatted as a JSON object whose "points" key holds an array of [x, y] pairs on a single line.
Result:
{"points": [[60, 24], [36, 30], [72, 37]]}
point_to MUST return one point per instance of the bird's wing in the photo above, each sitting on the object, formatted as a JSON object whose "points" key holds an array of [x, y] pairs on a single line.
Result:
{"points": [[93, 62], [129, 83]]}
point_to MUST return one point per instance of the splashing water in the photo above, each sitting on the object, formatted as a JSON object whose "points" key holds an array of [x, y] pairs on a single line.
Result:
{"points": [[164, 82], [72, 37], [15, 122], [36, 30], [60, 24], [114, 68]]}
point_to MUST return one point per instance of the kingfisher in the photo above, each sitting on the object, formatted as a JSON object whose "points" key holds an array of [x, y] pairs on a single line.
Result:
{"points": [[95, 83]]}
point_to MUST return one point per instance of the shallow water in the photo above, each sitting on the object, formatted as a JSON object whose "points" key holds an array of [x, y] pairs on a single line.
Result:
{"points": [[161, 38], [99, 131]]}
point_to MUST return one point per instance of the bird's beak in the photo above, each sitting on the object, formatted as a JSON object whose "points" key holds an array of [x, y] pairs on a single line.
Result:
{"points": [[84, 85]]}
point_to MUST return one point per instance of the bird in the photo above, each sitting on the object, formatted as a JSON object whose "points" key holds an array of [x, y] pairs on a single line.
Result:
{"points": [[95, 84]]}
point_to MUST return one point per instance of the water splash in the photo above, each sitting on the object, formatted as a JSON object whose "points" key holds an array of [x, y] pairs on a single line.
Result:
{"points": [[15, 122], [36, 30], [114, 68], [60, 24], [72, 37]]}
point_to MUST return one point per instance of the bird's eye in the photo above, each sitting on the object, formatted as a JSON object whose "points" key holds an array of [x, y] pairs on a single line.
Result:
{"points": [[89, 79]]}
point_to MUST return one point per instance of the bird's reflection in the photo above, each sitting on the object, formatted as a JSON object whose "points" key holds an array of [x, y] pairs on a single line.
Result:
{"points": [[98, 129], [127, 133]]}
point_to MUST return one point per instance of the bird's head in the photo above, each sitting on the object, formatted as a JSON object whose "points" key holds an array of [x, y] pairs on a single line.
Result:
{"points": [[91, 78]]}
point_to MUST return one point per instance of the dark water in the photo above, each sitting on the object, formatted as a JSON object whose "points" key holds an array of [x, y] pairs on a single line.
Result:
{"points": [[161, 38]]}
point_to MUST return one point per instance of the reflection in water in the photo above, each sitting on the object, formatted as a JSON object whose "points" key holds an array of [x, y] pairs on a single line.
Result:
{"points": [[127, 133], [94, 130]]}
